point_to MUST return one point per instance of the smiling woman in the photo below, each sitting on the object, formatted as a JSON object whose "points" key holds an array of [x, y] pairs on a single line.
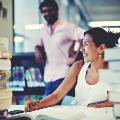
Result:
{"points": [[89, 90]]}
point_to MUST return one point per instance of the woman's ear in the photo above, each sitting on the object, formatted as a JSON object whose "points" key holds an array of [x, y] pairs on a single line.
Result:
{"points": [[101, 48]]}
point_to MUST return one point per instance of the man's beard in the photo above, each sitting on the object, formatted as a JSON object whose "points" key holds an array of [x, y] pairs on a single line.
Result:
{"points": [[52, 20]]}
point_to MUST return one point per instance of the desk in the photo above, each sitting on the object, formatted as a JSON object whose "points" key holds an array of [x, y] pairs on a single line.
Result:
{"points": [[70, 113]]}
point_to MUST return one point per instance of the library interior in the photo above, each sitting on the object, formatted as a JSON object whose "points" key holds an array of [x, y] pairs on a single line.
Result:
{"points": [[40, 40]]}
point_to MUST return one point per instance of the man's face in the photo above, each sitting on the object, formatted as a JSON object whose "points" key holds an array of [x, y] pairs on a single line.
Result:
{"points": [[49, 14]]}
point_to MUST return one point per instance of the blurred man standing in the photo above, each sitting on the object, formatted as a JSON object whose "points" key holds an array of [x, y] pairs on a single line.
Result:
{"points": [[57, 38]]}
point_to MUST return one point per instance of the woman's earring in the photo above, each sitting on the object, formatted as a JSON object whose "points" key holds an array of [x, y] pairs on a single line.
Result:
{"points": [[100, 55]]}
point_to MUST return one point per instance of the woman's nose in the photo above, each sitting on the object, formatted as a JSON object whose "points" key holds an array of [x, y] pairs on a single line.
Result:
{"points": [[82, 48]]}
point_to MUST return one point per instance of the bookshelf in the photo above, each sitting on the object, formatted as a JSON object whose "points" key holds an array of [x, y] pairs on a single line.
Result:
{"points": [[19, 83]]}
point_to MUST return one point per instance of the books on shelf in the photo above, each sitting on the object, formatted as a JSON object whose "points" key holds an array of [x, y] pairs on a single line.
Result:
{"points": [[114, 96], [18, 77], [112, 76], [4, 77], [34, 77], [115, 87], [5, 98], [5, 64], [4, 48], [116, 110], [112, 54], [109, 76], [114, 65], [7, 55]]}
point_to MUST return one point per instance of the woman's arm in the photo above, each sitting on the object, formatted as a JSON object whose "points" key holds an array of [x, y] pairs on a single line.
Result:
{"points": [[101, 104], [60, 92]]}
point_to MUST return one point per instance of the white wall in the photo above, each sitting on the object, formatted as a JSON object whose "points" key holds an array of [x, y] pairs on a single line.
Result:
{"points": [[26, 12]]}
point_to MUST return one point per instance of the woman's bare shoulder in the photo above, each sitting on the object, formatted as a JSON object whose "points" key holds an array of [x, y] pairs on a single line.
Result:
{"points": [[79, 63]]}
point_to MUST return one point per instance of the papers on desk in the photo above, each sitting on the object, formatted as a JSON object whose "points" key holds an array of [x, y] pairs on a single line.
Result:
{"points": [[16, 107], [70, 113]]}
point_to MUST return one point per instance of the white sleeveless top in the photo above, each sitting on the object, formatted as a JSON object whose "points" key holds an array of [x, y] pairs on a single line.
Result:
{"points": [[86, 93]]}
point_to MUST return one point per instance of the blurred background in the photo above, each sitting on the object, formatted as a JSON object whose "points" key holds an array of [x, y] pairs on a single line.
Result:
{"points": [[85, 13]]}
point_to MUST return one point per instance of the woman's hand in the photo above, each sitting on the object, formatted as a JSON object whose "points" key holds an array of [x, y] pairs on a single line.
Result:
{"points": [[30, 106], [101, 104]]}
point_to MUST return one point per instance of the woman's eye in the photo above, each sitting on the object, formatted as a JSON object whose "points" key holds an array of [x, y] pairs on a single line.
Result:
{"points": [[85, 44]]}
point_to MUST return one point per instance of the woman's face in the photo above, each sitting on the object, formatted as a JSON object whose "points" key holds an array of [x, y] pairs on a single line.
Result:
{"points": [[89, 49]]}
